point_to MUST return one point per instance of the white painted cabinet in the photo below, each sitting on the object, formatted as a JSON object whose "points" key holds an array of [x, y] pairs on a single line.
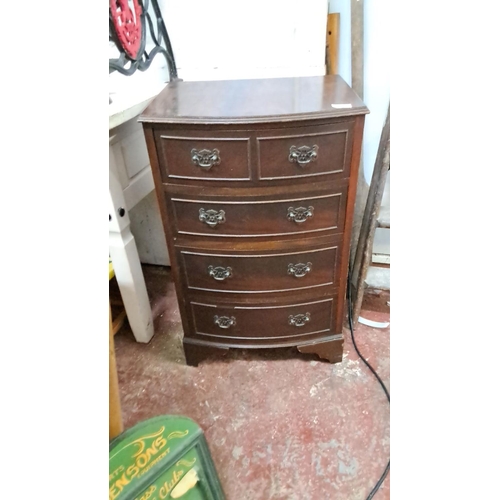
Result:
{"points": [[130, 163]]}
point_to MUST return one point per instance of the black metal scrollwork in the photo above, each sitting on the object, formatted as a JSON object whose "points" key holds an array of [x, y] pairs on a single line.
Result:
{"points": [[126, 25]]}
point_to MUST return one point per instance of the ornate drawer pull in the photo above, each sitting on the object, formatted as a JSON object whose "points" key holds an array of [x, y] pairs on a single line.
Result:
{"points": [[299, 270], [300, 215], [303, 155], [212, 217], [299, 320], [205, 158], [220, 273], [225, 321]]}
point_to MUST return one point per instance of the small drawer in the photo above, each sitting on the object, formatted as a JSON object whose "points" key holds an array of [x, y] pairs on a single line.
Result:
{"points": [[203, 158], [259, 218], [260, 272], [261, 322], [308, 152]]}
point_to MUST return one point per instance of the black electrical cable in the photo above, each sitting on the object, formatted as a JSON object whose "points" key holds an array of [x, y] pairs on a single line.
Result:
{"points": [[349, 302]]}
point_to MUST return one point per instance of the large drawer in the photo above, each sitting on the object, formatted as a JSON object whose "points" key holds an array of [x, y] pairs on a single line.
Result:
{"points": [[305, 152], [263, 322], [260, 272], [258, 218], [204, 158]]}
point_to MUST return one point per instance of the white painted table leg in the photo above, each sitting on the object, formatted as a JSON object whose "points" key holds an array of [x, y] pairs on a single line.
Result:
{"points": [[127, 265]]}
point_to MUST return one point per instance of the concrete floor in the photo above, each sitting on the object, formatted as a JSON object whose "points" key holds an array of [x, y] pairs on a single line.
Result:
{"points": [[280, 425]]}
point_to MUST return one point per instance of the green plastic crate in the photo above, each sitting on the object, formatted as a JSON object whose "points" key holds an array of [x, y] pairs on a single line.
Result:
{"points": [[165, 457]]}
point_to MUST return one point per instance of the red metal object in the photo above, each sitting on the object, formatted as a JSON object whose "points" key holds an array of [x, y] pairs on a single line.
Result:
{"points": [[128, 25]]}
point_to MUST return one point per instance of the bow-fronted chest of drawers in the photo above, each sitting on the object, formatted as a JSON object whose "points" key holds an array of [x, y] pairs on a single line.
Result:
{"points": [[256, 182]]}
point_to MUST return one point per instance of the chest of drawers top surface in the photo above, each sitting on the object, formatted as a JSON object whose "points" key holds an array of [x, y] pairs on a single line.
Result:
{"points": [[254, 101]]}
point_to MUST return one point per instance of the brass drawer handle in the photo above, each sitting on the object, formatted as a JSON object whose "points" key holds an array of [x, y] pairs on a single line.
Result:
{"points": [[299, 270], [205, 158], [303, 155], [299, 320], [300, 214], [212, 217], [225, 321], [220, 273]]}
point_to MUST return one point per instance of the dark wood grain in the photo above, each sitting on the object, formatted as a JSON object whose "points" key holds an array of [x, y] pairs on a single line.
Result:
{"points": [[334, 144], [176, 153], [263, 322], [278, 298], [253, 124], [330, 349], [253, 101], [195, 353], [259, 272], [263, 190], [261, 218], [167, 228], [351, 198], [245, 245], [259, 157]]}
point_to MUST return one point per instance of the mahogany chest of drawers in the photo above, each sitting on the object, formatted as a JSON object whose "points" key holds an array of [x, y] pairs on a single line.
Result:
{"points": [[256, 182]]}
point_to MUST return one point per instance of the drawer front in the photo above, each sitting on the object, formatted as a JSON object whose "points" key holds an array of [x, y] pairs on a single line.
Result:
{"points": [[261, 322], [260, 272], [203, 158], [259, 218], [301, 153]]}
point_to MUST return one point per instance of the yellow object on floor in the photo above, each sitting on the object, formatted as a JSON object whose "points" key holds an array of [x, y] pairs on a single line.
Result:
{"points": [[115, 414], [111, 270]]}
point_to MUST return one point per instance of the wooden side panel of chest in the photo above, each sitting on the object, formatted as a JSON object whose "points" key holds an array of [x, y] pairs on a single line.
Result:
{"points": [[258, 219]]}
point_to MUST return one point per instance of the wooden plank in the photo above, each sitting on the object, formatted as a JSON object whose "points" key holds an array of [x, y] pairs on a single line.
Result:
{"points": [[332, 43], [118, 321], [364, 247], [357, 83], [357, 42], [115, 414]]}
